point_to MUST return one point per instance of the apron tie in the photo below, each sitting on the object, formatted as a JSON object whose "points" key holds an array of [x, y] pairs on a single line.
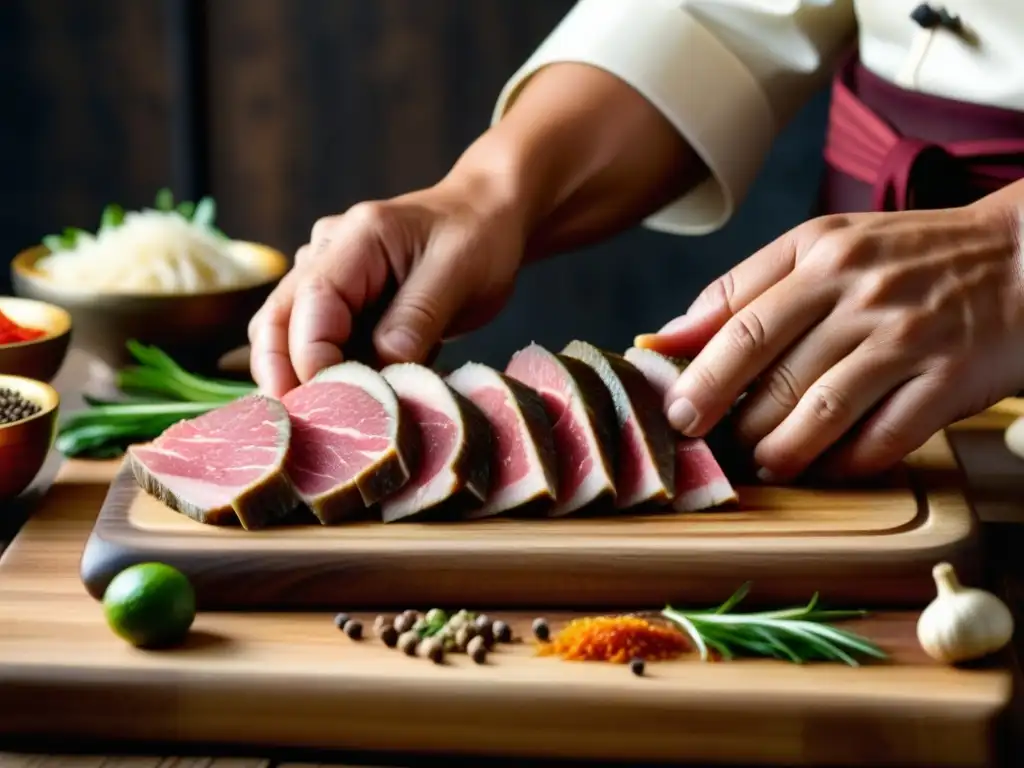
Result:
{"points": [[905, 172]]}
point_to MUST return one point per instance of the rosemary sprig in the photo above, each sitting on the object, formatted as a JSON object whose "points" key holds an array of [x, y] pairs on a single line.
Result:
{"points": [[798, 635]]}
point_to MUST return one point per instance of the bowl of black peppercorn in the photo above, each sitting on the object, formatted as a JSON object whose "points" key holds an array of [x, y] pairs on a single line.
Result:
{"points": [[28, 426]]}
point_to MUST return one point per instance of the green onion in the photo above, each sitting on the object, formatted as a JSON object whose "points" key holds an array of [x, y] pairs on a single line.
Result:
{"points": [[160, 394]]}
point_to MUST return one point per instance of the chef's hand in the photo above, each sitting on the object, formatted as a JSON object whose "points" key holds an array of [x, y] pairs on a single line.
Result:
{"points": [[454, 250], [883, 328]]}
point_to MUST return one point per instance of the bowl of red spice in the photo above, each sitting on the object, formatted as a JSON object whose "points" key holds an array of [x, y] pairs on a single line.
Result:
{"points": [[34, 337], [28, 425]]}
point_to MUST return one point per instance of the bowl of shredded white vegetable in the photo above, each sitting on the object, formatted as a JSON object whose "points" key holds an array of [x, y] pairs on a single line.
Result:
{"points": [[165, 276]]}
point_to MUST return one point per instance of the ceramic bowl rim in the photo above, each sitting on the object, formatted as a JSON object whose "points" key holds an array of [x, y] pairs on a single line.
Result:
{"points": [[63, 327], [51, 396], [274, 266]]}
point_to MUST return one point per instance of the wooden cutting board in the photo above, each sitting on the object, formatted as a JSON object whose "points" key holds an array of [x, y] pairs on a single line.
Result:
{"points": [[863, 546], [275, 679]]}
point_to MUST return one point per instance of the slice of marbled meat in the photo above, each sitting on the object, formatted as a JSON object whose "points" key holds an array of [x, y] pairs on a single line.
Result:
{"points": [[223, 467], [646, 471], [351, 444], [524, 469], [700, 481], [583, 422], [454, 468]]}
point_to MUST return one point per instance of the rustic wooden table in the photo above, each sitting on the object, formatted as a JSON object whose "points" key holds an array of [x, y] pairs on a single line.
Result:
{"points": [[996, 483]]}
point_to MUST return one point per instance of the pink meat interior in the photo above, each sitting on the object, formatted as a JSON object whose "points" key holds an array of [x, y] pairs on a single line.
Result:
{"points": [[438, 440], [696, 466], [510, 463], [338, 430], [211, 458], [575, 461]]}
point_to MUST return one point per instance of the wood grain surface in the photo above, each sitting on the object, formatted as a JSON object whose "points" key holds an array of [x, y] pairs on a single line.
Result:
{"points": [[865, 546], [294, 680]]}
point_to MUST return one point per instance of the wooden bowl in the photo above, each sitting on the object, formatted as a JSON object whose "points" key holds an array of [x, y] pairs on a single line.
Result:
{"points": [[25, 444], [40, 358], [194, 328]]}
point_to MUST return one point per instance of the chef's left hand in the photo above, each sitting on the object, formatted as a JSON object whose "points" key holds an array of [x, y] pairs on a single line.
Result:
{"points": [[881, 327]]}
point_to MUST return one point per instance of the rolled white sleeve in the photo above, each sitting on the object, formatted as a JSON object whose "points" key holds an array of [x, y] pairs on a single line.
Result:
{"points": [[728, 74]]}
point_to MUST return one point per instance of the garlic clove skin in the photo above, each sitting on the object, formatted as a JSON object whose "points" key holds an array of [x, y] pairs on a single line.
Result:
{"points": [[962, 623]]}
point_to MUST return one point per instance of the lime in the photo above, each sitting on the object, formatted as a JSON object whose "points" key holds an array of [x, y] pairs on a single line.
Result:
{"points": [[151, 605]]}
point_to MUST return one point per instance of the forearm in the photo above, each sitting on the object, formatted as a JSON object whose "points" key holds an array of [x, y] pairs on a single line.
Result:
{"points": [[582, 156]]}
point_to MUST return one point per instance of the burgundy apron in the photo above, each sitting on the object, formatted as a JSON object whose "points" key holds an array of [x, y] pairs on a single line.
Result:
{"points": [[891, 149]]}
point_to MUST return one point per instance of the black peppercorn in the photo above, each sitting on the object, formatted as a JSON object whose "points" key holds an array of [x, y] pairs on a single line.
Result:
{"points": [[389, 636], [341, 620], [15, 407], [354, 629], [637, 666], [541, 630], [502, 632]]}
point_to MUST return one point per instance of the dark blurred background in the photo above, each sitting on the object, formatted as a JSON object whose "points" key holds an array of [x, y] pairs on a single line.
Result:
{"points": [[287, 110]]}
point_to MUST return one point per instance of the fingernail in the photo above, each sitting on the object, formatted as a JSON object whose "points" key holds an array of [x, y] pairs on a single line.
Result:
{"points": [[682, 414], [767, 476], [402, 343], [644, 340]]}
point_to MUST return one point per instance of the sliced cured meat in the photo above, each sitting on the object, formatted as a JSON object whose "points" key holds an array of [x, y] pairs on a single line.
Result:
{"points": [[223, 467], [351, 444], [700, 481], [583, 424], [525, 466], [646, 469], [455, 445]]}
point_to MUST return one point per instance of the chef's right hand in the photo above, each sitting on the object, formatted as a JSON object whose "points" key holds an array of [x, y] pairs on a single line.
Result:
{"points": [[453, 249]]}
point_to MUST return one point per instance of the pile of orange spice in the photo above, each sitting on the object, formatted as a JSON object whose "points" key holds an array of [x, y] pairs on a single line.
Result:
{"points": [[617, 639], [12, 333]]}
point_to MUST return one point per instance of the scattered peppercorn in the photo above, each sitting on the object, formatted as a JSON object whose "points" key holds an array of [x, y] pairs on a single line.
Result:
{"points": [[433, 649], [463, 635], [541, 630], [389, 636], [354, 629], [637, 666], [408, 642], [477, 649], [380, 622], [341, 620], [15, 407], [502, 631], [403, 623]]}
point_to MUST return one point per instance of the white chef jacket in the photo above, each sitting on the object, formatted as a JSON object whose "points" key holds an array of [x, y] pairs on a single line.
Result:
{"points": [[728, 74]]}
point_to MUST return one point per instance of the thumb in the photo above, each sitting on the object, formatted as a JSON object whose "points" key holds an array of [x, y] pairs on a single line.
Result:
{"points": [[687, 334], [421, 312]]}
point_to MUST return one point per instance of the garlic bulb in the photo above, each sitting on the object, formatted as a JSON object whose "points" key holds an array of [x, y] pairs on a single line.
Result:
{"points": [[1014, 437], [962, 623]]}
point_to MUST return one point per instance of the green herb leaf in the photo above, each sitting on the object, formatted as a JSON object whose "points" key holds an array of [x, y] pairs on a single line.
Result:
{"points": [[186, 208], [165, 200], [205, 212], [797, 635], [113, 217], [53, 243]]}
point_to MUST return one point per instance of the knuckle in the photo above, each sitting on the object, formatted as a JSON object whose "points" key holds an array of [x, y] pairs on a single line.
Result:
{"points": [[907, 330], [782, 386], [835, 252], [720, 292], [745, 332], [420, 310], [369, 214], [826, 404], [321, 227]]}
